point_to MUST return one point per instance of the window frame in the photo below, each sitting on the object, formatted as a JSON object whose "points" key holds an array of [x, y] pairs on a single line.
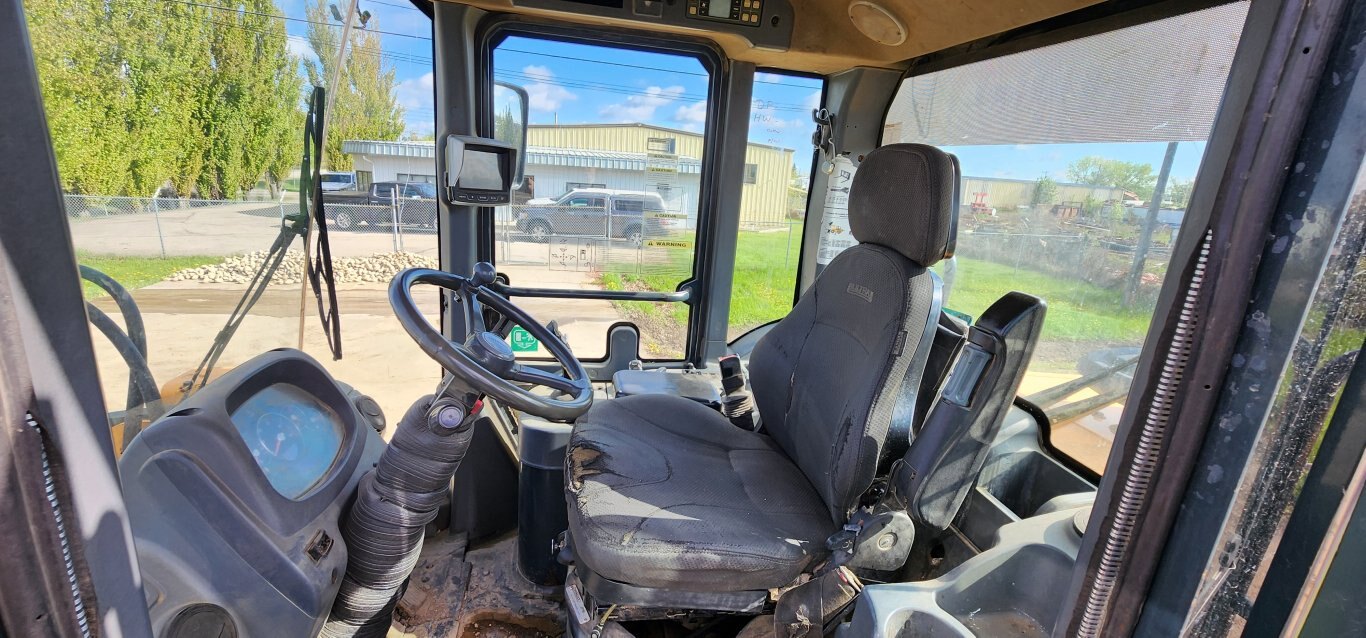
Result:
{"points": [[751, 175], [495, 29]]}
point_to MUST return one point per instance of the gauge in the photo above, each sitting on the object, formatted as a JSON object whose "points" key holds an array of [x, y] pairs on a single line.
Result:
{"points": [[278, 435], [293, 436]]}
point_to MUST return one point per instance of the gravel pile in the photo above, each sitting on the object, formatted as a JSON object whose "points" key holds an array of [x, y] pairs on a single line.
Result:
{"points": [[239, 269]]}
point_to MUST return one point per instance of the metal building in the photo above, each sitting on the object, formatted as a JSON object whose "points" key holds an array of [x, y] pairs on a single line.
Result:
{"points": [[563, 157]]}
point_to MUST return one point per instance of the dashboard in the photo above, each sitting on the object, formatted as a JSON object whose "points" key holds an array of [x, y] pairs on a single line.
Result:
{"points": [[292, 436], [236, 497]]}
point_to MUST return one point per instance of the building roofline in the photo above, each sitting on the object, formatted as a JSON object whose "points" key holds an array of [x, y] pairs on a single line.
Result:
{"points": [[655, 127]]}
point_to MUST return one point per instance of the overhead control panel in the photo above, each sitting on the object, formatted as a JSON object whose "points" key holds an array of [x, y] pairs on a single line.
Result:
{"points": [[746, 12], [767, 24]]}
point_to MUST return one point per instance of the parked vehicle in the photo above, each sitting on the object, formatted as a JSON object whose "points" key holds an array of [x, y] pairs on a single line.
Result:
{"points": [[336, 181], [374, 205], [595, 212]]}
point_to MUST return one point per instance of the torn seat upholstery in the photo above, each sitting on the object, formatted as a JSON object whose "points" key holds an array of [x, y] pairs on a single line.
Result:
{"points": [[666, 493]]}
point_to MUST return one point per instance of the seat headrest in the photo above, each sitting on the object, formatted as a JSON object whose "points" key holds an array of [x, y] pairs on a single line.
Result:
{"points": [[905, 197]]}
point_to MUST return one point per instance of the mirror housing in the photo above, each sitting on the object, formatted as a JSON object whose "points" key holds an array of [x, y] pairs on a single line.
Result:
{"points": [[510, 123]]}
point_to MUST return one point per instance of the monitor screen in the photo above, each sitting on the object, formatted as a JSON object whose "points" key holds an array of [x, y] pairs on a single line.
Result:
{"points": [[483, 171]]}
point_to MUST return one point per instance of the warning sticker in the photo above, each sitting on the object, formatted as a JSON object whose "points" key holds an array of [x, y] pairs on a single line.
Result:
{"points": [[667, 243], [835, 235], [659, 214]]}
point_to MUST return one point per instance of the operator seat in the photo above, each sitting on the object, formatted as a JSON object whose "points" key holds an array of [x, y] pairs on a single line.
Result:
{"points": [[666, 494]]}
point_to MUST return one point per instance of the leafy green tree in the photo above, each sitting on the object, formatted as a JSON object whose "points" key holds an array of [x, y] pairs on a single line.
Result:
{"points": [[1045, 191], [507, 127], [143, 93], [84, 94], [1179, 193], [251, 101], [365, 106], [1100, 171]]}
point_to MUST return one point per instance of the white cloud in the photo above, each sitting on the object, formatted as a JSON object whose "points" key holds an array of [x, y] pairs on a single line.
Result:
{"points": [[545, 94], [418, 128], [300, 48], [641, 108], [694, 114], [813, 101], [767, 77], [415, 96]]}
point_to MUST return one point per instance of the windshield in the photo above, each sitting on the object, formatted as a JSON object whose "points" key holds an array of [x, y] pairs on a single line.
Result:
{"points": [[178, 135], [1078, 162]]}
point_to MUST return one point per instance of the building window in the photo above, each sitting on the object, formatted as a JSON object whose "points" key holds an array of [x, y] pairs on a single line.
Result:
{"points": [[413, 177], [363, 179], [660, 145], [751, 173]]}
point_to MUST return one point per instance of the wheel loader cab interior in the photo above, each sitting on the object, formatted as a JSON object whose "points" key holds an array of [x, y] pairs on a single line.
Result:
{"points": [[718, 317]]}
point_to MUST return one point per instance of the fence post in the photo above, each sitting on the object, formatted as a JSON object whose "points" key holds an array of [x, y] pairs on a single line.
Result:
{"points": [[393, 214], [161, 238]]}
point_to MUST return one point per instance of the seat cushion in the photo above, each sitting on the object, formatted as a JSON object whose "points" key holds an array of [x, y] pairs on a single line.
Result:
{"points": [[665, 492]]}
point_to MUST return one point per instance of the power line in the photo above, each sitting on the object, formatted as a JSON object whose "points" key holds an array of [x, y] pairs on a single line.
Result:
{"points": [[509, 50], [285, 17], [632, 66], [398, 6]]}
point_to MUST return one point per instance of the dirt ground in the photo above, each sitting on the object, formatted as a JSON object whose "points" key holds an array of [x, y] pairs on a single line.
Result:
{"points": [[379, 358]]}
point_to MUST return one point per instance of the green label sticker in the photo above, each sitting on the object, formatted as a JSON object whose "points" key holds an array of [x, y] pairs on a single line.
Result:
{"points": [[522, 341]]}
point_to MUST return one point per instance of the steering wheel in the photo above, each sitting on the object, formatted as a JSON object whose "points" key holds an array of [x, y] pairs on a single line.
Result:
{"points": [[483, 360]]}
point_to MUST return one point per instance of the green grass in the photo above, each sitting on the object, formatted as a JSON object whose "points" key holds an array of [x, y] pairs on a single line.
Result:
{"points": [[765, 275], [136, 272], [1077, 310]]}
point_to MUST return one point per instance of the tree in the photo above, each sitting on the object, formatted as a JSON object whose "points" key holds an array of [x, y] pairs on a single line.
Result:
{"points": [[507, 126], [140, 93], [365, 106], [1179, 193], [1099, 171], [1045, 191], [251, 100]]}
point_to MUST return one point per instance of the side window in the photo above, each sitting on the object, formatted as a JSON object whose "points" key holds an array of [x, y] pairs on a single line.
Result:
{"points": [[612, 118], [773, 211], [627, 205], [1077, 201]]}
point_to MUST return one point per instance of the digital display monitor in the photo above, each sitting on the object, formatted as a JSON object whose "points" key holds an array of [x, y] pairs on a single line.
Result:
{"points": [[719, 9], [483, 171]]}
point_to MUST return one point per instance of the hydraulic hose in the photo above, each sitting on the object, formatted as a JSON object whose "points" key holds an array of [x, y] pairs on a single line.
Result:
{"points": [[394, 503]]}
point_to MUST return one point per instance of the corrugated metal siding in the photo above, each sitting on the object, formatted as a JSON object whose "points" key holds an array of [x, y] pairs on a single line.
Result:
{"points": [[606, 154]]}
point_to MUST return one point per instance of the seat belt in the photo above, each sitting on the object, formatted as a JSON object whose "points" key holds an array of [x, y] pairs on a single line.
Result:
{"points": [[736, 404]]}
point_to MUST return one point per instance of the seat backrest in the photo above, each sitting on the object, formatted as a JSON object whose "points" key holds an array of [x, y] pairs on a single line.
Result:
{"points": [[828, 377], [948, 452]]}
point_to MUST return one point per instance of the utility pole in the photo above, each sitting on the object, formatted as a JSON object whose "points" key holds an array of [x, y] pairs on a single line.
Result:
{"points": [[1145, 238]]}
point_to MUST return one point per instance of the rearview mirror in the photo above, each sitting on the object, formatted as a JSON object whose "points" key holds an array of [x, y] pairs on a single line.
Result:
{"points": [[510, 122]]}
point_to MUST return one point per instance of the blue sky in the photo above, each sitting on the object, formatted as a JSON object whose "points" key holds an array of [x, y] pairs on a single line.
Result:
{"points": [[574, 84]]}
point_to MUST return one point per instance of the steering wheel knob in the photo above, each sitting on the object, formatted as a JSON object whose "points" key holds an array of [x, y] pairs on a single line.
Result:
{"points": [[484, 274], [491, 352]]}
